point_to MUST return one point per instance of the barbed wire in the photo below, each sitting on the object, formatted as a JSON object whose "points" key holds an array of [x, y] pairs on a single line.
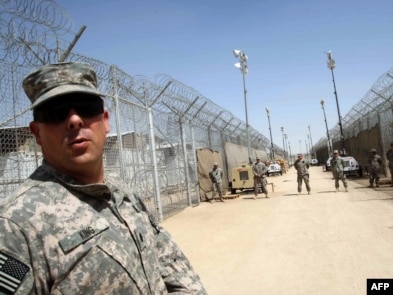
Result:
{"points": [[29, 29]]}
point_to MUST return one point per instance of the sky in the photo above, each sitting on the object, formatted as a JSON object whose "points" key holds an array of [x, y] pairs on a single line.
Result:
{"points": [[286, 43]]}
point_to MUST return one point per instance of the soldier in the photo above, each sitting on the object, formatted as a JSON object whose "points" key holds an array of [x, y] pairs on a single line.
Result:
{"points": [[301, 167], [259, 169], [216, 175], [70, 228], [389, 157], [375, 162], [338, 171]]}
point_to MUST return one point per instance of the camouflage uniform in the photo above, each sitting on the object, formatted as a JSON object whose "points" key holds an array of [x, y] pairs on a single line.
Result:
{"points": [[259, 169], [66, 238], [389, 157], [301, 167], [375, 162], [216, 175], [338, 164]]}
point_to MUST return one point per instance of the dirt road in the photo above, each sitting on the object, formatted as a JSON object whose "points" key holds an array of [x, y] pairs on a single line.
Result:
{"points": [[324, 243]]}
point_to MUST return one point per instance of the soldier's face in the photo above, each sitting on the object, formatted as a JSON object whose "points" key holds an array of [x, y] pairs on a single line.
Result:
{"points": [[74, 145]]}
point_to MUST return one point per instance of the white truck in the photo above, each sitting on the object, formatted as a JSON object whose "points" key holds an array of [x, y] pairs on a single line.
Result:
{"points": [[351, 166], [273, 168]]}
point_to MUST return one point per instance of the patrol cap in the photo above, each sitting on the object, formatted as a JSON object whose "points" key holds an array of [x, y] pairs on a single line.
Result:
{"points": [[54, 80], [335, 152], [215, 164], [258, 158], [299, 155], [373, 150]]}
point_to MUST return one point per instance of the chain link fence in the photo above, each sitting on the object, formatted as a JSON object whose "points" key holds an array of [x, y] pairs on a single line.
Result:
{"points": [[156, 128], [369, 124]]}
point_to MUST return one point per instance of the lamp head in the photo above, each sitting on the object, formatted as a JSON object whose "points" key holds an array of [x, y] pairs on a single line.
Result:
{"points": [[322, 102], [236, 53], [238, 65], [331, 64], [267, 110], [329, 55]]}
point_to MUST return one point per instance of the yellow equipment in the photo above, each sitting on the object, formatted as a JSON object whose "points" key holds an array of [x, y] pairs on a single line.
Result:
{"points": [[242, 178]]}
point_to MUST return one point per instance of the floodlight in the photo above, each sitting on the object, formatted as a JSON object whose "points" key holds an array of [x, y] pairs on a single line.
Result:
{"points": [[329, 54], [236, 52], [331, 64]]}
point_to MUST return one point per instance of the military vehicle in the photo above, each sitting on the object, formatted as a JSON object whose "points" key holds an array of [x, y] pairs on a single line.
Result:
{"points": [[242, 178], [351, 166]]}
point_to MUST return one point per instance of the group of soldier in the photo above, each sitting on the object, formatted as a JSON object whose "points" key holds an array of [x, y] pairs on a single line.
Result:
{"points": [[259, 170], [301, 165], [375, 163]]}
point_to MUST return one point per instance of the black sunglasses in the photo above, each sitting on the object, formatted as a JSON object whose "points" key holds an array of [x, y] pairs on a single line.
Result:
{"points": [[54, 112]]}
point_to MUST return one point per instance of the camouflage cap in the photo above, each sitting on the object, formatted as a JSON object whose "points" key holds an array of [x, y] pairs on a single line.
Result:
{"points": [[54, 80], [373, 150]]}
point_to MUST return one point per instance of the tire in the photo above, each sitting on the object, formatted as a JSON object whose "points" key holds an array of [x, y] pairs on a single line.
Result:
{"points": [[281, 173], [233, 191]]}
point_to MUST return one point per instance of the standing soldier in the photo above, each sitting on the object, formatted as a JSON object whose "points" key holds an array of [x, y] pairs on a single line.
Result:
{"points": [[71, 227], [259, 169], [338, 171], [389, 157], [375, 163], [216, 175], [301, 167]]}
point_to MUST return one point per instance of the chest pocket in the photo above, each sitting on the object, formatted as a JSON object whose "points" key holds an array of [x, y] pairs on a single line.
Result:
{"points": [[105, 263], [84, 234]]}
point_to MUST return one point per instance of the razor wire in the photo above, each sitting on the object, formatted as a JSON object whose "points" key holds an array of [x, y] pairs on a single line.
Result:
{"points": [[29, 29], [373, 110]]}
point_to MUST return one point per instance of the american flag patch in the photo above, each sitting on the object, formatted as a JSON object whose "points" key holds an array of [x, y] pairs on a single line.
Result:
{"points": [[12, 272]]}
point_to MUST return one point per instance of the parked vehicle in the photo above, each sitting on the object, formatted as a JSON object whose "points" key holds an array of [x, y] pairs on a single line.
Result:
{"points": [[314, 162], [327, 165], [273, 169], [351, 166], [242, 178]]}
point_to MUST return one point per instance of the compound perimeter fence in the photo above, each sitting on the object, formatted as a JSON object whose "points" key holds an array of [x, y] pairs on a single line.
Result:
{"points": [[156, 128], [369, 124]]}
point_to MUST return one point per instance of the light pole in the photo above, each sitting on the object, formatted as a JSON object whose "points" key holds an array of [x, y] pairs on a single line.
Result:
{"points": [[327, 129], [286, 145], [290, 154], [307, 150], [271, 138], [242, 66], [312, 146], [300, 145], [283, 140], [331, 64]]}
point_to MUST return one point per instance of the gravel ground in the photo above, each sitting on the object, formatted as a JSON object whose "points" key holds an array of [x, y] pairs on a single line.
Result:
{"points": [[323, 243]]}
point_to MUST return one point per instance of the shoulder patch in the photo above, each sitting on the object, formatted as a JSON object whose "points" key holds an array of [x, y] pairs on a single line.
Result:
{"points": [[12, 272]]}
